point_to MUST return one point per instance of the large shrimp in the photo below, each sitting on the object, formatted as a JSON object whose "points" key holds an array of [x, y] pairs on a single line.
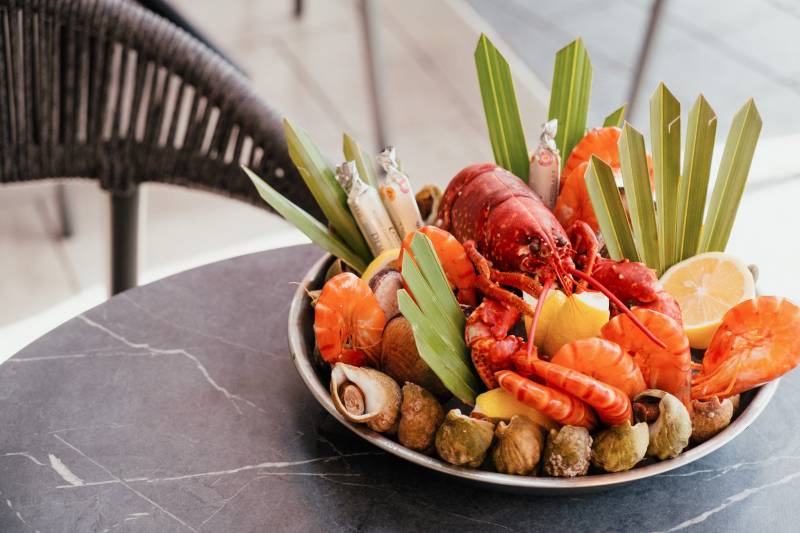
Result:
{"points": [[560, 406], [611, 404], [669, 368], [348, 321], [756, 342], [573, 201], [603, 360]]}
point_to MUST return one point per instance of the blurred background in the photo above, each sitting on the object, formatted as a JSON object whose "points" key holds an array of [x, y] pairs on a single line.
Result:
{"points": [[420, 94]]}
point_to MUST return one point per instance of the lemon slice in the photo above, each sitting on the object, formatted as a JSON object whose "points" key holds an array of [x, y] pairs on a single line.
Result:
{"points": [[564, 319], [379, 263], [706, 286]]}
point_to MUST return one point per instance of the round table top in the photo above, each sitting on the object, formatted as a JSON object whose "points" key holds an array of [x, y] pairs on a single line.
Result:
{"points": [[176, 407]]}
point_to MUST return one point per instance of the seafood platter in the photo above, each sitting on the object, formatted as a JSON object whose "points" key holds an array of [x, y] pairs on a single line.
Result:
{"points": [[564, 318]]}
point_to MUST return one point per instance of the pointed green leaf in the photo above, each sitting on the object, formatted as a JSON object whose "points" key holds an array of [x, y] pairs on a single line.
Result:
{"points": [[731, 178], [610, 213], [440, 319], [665, 133], [639, 194], [569, 96], [451, 370], [321, 181], [500, 107], [431, 268], [700, 133], [615, 118], [309, 225], [364, 162]]}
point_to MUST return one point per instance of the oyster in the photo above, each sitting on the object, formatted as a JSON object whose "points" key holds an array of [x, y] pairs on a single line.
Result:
{"points": [[670, 432], [462, 440], [619, 448], [401, 360], [365, 396], [518, 447], [567, 452], [710, 417], [420, 415]]}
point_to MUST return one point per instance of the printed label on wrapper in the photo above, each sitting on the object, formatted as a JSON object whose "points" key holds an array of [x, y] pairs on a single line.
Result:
{"points": [[397, 195]]}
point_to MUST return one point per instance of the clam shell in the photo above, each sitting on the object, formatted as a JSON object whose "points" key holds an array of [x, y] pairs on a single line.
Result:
{"points": [[380, 396]]}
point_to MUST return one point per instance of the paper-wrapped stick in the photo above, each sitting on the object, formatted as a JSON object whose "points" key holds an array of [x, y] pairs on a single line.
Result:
{"points": [[397, 195], [545, 165], [366, 207]]}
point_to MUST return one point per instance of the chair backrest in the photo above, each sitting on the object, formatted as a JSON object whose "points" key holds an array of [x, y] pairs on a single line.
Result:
{"points": [[104, 89]]}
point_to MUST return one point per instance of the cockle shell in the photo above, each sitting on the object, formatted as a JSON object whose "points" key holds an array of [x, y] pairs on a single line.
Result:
{"points": [[365, 396], [400, 359]]}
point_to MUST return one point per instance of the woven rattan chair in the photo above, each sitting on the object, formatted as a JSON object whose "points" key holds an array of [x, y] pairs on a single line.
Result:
{"points": [[103, 89]]}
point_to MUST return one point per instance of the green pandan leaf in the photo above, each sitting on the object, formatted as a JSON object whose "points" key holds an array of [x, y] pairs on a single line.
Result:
{"points": [[501, 109], [610, 213], [569, 96], [700, 133], [731, 178], [309, 225]]}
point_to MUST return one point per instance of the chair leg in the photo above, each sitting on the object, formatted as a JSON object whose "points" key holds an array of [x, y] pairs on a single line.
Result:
{"points": [[124, 235], [644, 54], [63, 211], [372, 48]]}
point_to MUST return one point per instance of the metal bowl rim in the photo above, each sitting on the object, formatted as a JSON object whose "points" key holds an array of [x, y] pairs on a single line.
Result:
{"points": [[307, 373]]}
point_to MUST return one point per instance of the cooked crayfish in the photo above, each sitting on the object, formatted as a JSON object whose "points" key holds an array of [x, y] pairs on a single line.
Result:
{"points": [[757, 342]]}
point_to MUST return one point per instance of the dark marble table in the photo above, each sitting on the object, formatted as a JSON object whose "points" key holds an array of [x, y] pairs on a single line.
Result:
{"points": [[176, 407]]}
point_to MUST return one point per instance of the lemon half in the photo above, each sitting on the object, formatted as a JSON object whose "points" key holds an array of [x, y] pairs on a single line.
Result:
{"points": [[706, 286], [565, 319]]}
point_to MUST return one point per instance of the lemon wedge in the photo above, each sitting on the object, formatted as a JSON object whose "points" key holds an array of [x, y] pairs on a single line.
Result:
{"points": [[384, 260], [564, 319], [706, 286], [497, 403]]}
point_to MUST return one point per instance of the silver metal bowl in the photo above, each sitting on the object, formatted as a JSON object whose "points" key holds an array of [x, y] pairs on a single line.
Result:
{"points": [[301, 345]]}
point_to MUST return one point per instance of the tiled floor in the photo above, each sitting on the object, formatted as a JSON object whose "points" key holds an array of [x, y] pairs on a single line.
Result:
{"points": [[312, 70]]}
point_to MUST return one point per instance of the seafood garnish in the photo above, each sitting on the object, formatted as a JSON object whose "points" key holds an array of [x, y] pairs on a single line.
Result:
{"points": [[348, 321], [757, 342]]}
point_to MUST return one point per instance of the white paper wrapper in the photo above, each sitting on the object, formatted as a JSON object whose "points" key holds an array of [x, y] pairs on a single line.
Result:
{"points": [[545, 165], [366, 207], [397, 195]]}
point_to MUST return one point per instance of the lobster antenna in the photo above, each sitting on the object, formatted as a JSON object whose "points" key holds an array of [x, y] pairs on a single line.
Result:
{"points": [[539, 305], [616, 301]]}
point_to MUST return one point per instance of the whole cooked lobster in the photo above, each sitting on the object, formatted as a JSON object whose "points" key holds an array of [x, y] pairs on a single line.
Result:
{"points": [[515, 241]]}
